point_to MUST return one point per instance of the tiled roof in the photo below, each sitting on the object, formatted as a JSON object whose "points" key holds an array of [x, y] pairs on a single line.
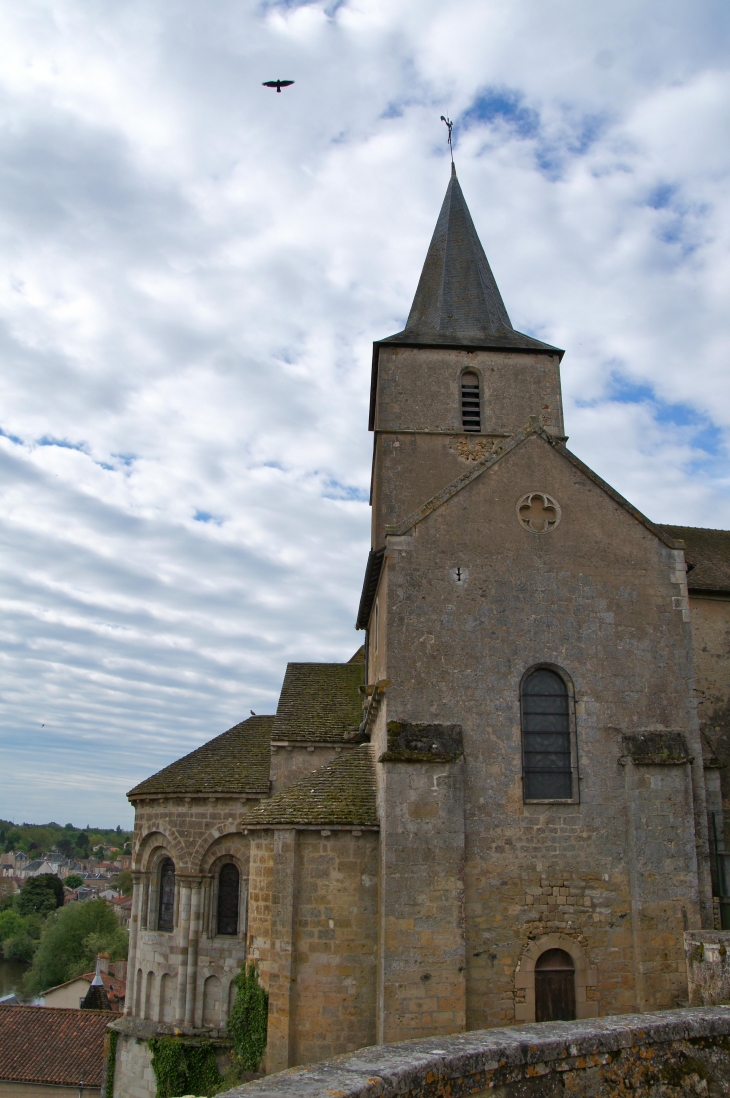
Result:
{"points": [[341, 793], [238, 761], [319, 702], [52, 1045], [709, 553]]}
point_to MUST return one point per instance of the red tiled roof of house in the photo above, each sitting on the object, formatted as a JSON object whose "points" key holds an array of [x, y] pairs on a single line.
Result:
{"points": [[52, 1045]]}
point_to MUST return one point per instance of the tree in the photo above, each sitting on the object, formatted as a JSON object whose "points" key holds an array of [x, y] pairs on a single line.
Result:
{"points": [[10, 924], [40, 895], [74, 880], [65, 847], [82, 844], [19, 948], [99, 853], [70, 942], [124, 882]]}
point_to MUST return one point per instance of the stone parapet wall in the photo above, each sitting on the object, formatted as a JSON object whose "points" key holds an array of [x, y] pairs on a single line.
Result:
{"points": [[674, 1052]]}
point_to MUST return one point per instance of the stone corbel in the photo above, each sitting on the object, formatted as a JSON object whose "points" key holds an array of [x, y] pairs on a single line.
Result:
{"points": [[374, 693]]}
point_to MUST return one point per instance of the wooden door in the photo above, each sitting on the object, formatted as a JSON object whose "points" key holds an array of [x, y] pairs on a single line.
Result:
{"points": [[554, 987]]}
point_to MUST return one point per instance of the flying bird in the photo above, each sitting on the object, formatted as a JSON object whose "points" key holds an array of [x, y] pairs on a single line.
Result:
{"points": [[278, 84]]}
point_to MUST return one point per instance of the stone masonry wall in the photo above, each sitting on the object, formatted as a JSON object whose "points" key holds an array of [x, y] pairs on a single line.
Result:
{"points": [[708, 967], [711, 633], [672, 1054], [598, 597], [313, 934]]}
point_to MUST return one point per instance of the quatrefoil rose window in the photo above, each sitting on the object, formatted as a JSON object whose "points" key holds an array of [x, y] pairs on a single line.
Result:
{"points": [[538, 512]]}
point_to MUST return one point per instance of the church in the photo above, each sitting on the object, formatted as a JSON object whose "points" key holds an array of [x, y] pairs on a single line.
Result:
{"points": [[509, 804]]}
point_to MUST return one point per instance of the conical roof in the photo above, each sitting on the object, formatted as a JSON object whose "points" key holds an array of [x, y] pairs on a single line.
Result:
{"points": [[458, 302]]}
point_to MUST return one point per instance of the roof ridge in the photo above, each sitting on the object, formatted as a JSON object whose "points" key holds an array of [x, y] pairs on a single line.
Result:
{"points": [[531, 429]]}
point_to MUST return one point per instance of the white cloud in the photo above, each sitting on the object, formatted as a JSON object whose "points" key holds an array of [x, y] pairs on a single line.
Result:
{"points": [[194, 268]]}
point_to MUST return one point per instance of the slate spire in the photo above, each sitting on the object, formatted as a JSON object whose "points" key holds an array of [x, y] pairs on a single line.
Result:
{"points": [[457, 301]]}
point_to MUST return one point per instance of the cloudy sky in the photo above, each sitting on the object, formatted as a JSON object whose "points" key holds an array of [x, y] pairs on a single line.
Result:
{"points": [[193, 269]]}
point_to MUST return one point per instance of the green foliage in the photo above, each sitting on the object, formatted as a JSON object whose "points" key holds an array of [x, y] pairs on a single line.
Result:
{"points": [[10, 923], [248, 1021], [124, 882], [182, 1068], [111, 1064], [74, 880], [21, 947], [40, 895], [70, 941]]}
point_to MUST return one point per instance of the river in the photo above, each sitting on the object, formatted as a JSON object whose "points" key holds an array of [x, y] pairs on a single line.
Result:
{"points": [[11, 975]]}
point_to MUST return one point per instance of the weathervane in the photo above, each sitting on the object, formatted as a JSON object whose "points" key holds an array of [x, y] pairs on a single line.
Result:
{"points": [[450, 126]]}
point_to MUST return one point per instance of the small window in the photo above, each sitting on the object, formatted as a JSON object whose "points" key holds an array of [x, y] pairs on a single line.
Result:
{"points": [[376, 625], [546, 737], [167, 895], [228, 890], [471, 418], [554, 987]]}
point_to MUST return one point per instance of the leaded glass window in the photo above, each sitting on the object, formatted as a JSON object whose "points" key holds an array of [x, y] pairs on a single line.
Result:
{"points": [[546, 737], [228, 892], [167, 895]]}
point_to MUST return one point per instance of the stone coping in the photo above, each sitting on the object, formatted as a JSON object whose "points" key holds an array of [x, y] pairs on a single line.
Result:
{"points": [[461, 1064]]}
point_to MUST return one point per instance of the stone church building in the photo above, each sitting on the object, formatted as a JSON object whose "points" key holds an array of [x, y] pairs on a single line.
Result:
{"points": [[508, 805]]}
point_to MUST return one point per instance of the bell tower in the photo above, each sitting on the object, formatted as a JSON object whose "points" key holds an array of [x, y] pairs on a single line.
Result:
{"points": [[457, 379]]}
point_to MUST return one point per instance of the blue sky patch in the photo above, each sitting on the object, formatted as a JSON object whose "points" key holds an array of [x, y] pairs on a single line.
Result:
{"points": [[206, 516]]}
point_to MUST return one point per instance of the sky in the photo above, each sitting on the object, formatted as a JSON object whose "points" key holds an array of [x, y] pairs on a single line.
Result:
{"points": [[193, 269]]}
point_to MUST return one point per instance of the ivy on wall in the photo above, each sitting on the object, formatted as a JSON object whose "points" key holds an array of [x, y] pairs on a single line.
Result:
{"points": [[248, 1021], [111, 1064], [183, 1068]]}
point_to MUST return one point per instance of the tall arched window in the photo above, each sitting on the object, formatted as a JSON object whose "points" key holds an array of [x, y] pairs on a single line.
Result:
{"points": [[546, 737], [471, 419], [554, 987], [228, 892], [167, 895]]}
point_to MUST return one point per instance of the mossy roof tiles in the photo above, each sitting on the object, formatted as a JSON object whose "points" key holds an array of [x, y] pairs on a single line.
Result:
{"points": [[238, 761], [319, 702], [339, 794], [708, 551]]}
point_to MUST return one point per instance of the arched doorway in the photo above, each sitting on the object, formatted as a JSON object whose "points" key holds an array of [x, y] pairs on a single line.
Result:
{"points": [[554, 987]]}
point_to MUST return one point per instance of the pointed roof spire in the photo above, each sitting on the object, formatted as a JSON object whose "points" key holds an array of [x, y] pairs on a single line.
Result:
{"points": [[457, 302]]}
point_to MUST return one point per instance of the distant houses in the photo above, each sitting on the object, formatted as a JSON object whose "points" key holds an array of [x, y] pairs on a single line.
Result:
{"points": [[71, 994]]}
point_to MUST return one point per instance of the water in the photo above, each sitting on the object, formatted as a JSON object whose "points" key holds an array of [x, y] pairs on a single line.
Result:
{"points": [[11, 975]]}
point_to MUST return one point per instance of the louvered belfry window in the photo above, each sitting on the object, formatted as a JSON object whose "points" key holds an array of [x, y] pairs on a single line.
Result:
{"points": [[546, 737], [471, 418], [228, 890], [167, 895]]}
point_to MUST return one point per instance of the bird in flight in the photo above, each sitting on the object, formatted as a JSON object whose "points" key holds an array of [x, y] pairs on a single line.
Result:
{"points": [[278, 84]]}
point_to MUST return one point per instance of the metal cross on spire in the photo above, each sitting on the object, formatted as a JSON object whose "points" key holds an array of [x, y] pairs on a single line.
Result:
{"points": [[450, 126]]}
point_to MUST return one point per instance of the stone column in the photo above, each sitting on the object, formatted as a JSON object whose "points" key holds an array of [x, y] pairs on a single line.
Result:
{"points": [[183, 934], [193, 938], [277, 961], [138, 879]]}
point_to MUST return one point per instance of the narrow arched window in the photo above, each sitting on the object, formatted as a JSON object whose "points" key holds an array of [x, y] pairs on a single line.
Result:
{"points": [[228, 891], [546, 737], [471, 419], [554, 987], [167, 895]]}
